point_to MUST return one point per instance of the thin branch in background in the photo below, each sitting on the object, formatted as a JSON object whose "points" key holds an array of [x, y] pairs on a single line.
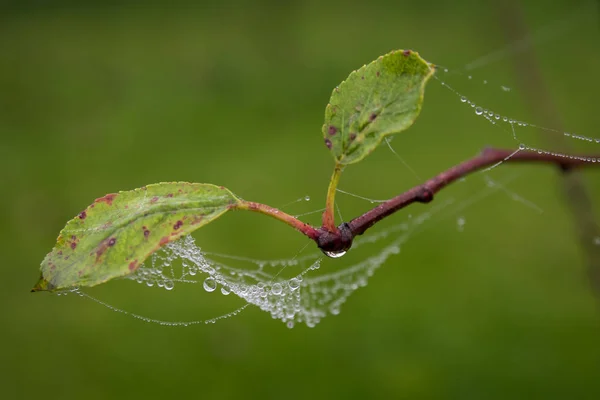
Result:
{"points": [[539, 99]]}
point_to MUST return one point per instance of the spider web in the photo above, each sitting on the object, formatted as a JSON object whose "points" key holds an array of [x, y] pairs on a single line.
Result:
{"points": [[293, 290]]}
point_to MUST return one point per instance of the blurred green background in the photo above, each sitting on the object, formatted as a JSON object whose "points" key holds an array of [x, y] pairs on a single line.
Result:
{"points": [[99, 96]]}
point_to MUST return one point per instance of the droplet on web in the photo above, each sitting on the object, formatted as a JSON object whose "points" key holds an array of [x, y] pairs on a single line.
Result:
{"points": [[478, 110], [460, 224], [294, 284], [276, 289], [210, 285]]}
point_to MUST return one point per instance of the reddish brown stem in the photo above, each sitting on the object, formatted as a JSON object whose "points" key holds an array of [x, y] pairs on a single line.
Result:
{"points": [[489, 157], [304, 228], [341, 239]]}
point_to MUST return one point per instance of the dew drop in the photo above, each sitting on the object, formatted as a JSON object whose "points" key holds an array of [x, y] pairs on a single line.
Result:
{"points": [[597, 240], [290, 324], [334, 254], [294, 284], [224, 289], [315, 266], [463, 99], [470, 77], [522, 146], [169, 284], [479, 111], [306, 198], [210, 284], [505, 119], [276, 289], [460, 224], [485, 82]]}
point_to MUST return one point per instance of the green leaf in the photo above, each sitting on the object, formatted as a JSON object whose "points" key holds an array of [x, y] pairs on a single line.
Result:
{"points": [[115, 234], [377, 100]]}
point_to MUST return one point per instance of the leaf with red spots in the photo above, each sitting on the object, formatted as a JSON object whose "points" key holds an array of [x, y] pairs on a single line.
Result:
{"points": [[377, 100], [117, 232]]}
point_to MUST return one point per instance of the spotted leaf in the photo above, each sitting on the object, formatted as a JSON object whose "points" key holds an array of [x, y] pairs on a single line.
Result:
{"points": [[116, 233], [376, 101]]}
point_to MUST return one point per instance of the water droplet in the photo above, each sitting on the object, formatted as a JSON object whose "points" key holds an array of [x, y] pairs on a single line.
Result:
{"points": [[497, 116], [460, 224], [210, 285], [522, 146], [294, 283], [470, 77], [224, 289], [334, 254], [290, 324], [276, 289], [334, 310], [505, 119], [463, 99], [169, 284], [479, 111], [306, 198], [445, 69], [485, 82], [597, 240]]}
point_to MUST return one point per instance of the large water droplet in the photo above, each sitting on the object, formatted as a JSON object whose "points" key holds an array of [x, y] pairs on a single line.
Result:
{"points": [[334, 254], [478, 110], [294, 283], [210, 284], [169, 284], [276, 289]]}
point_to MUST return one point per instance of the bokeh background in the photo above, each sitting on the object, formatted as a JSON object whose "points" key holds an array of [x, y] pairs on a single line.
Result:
{"points": [[101, 96]]}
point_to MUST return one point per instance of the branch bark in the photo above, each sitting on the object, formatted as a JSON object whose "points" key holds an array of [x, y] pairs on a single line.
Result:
{"points": [[340, 240]]}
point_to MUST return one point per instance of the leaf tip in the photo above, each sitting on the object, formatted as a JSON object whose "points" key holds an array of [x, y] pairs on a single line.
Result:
{"points": [[42, 285]]}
